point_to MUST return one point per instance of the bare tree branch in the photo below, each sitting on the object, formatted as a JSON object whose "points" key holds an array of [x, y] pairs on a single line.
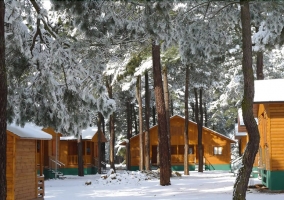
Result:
{"points": [[46, 26], [223, 8]]}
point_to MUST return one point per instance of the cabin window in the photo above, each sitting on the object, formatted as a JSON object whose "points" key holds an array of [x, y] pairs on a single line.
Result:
{"points": [[181, 149], [190, 149], [38, 146], [174, 149], [88, 148], [218, 150]]}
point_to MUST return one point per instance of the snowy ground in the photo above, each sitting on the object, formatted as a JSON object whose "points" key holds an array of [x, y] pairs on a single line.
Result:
{"points": [[136, 185]]}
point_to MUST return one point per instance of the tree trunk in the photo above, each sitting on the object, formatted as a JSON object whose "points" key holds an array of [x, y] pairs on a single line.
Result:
{"points": [[192, 105], [111, 141], [259, 63], [172, 107], [185, 162], [141, 139], [103, 144], [167, 106], [3, 106], [129, 127], [99, 122], [200, 134], [199, 122], [259, 66], [111, 130], [135, 120], [80, 157], [147, 123], [205, 115], [162, 117], [240, 186], [154, 115]]}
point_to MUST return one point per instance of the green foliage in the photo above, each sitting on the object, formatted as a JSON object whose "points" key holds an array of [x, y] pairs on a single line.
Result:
{"points": [[136, 61], [18, 64]]}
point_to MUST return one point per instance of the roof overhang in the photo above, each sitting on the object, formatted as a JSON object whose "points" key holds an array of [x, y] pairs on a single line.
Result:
{"points": [[29, 131], [268, 91]]}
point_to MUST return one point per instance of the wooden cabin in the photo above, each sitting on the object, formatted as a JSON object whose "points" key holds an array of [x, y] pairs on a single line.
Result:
{"points": [[217, 147], [23, 180], [66, 158], [269, 98]]}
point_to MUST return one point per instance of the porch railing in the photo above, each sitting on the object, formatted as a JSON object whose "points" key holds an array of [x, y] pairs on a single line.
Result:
{"points": [[59, 163], [236, 164]]}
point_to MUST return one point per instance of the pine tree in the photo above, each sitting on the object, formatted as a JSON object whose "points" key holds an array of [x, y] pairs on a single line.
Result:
{"points": [[3, 106]]}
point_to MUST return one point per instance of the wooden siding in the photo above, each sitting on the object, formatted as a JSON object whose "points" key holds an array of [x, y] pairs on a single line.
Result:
{"points": [[264, 132], [243, 143], [10, 167], [69, 153], [210, 140], [64, 152], [25, 172], [276, 139]]}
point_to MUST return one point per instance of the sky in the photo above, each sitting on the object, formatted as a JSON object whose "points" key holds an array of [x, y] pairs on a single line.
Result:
{"points": [[126, 185]]}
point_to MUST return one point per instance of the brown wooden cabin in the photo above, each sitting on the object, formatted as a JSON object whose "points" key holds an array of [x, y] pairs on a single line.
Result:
{"points": [[269, 111], [217, 147], [23, 180], [269, 97], [67, 155]]}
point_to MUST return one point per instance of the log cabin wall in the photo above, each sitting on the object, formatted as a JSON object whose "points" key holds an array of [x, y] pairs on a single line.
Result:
{"points": [[21, 168], [271, 127], [10, 173], [25, 176], [211, 141], [276, 139]]}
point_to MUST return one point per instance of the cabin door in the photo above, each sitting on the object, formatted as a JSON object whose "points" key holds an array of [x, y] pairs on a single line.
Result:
{"points": [[154, 154]]}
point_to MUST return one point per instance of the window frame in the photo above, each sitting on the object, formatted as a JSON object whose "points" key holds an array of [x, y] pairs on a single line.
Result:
{"points": [[218, 150]]}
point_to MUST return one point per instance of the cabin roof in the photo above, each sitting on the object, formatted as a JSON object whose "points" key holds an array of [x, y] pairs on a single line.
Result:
{"points": [[268, 91], [214, 132], [29, 131], [87, 134]]}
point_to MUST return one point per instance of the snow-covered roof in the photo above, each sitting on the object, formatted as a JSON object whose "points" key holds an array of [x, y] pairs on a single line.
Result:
{"points": [[87, 134], [29, 131], [237, 133], [269, 90], [240, 114]]}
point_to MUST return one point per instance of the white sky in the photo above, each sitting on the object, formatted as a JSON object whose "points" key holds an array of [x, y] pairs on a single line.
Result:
{"points": [[209, 185], [46, 4]]}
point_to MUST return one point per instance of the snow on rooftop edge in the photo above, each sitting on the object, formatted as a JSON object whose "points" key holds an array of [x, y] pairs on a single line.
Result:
{"points": [[87, 134], [271, 90], [29, 131]]}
